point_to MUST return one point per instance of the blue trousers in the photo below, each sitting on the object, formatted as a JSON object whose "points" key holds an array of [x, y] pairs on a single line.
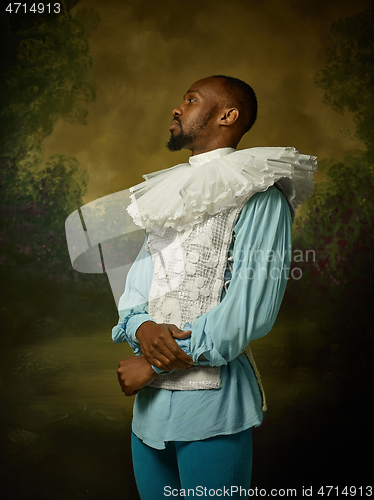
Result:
{"points": [[220, 463]]}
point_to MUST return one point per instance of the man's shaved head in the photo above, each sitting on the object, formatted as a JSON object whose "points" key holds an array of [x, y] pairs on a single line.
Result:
{"points": [[240, 95], [215, 113]]}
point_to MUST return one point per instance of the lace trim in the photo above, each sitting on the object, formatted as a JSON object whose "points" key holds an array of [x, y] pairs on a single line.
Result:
{"points": [[119, 331], [184, 195]]}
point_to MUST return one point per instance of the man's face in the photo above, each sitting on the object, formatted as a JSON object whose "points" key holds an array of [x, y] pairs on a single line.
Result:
{"points": [[195, 118]]}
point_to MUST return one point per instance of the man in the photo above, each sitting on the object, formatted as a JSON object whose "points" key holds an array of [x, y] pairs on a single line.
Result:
{"points": [[209, 279]]}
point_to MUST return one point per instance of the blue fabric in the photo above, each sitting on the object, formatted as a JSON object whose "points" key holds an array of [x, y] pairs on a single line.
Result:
{"points": [[129, 322], [133, 304], [261, 259], [194, 465], [184, 344]]}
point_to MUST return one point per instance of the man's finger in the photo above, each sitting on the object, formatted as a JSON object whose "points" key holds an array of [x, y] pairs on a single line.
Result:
{"points": [[178, 357], [174, 329], [168, 351], [166, 362], [181, 334], [173, 346]]}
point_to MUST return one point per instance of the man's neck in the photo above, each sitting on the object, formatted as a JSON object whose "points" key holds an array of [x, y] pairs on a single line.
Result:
{"points": [[197, 150], [208, 156]]}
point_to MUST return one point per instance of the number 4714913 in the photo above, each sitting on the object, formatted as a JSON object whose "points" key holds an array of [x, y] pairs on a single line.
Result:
{"points": [[36, 8], [351, 491]]}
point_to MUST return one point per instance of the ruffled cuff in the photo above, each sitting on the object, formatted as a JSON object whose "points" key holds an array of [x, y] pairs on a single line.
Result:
{"points": [[204, 345], [129, 321], [134, 323]]}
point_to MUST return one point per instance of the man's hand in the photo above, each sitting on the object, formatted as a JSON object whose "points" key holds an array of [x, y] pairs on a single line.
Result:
{"points": [[159, 347], [134, 373]]}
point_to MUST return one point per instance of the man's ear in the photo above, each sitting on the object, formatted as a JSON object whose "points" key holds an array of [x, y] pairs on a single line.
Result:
{"points": [[229, 116]]}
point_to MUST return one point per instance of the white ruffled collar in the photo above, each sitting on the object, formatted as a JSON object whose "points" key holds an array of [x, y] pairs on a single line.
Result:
{"points": [[209, 156], [184, 195]]}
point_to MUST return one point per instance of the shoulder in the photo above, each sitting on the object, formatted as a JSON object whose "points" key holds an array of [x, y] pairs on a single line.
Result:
{"points": [[266, 204]]}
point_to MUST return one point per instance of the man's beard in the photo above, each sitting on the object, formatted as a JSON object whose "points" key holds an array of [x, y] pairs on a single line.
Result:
{"points": [[178, 142], [187, 140]]}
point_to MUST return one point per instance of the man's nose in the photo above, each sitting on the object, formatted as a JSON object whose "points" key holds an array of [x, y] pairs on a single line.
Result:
{"points": [[177, 111]]}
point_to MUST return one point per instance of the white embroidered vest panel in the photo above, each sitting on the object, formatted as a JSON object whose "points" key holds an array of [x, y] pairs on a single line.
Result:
{"points": [[187, 281], [188, 278]]}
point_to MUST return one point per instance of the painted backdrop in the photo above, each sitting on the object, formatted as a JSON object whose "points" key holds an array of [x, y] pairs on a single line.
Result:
{"points": [[86, 98]]}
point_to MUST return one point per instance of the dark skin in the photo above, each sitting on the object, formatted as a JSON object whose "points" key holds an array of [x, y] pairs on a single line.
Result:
{"points": [[224, 129], [134, 374], [159, 349]]}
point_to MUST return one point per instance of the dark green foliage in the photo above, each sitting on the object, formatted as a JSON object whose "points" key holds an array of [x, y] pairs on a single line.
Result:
{"points": [[43, 83], [336, 291], [348, 76], [337, 223], [36, 205], [44, 80]]}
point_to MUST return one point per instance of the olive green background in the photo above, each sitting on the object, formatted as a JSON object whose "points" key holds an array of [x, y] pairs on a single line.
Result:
{"points": [[85, 115], [146, 55]]}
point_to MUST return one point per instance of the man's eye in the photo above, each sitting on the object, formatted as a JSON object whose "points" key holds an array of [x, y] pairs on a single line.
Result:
{"points": [[191, 100]]}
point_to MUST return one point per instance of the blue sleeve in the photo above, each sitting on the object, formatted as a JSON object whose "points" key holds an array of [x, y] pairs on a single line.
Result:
{"points": [[133, 305], [261, 261]]}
